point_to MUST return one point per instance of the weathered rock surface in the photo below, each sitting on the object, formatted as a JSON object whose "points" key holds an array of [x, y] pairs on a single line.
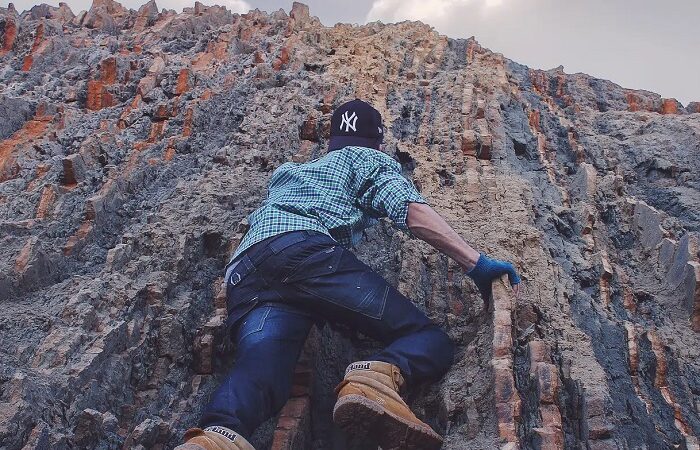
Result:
{"points": [[134, 143]]}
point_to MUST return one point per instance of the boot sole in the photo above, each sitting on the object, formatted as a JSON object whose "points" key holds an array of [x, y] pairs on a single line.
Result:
{"points": [[359, 415]]}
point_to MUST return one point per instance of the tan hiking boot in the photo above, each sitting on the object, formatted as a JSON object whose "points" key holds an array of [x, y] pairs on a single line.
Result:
{"points": [[369, 403], [214, 438]]}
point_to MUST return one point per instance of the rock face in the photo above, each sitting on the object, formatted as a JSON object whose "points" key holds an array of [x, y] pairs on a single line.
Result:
{"points": [[134, 143]]}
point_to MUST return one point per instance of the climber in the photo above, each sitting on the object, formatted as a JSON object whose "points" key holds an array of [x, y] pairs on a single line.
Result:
{"points": [[292, 269]]}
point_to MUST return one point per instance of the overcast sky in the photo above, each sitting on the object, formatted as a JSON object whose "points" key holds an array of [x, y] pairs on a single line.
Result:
{"points": [[640, 44]]}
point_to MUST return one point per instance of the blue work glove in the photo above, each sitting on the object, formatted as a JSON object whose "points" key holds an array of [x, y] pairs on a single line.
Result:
{"points": [[486, 270]]}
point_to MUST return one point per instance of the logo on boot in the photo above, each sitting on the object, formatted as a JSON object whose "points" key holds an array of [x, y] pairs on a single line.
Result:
{"points": [[364, 365], [225, 432]]}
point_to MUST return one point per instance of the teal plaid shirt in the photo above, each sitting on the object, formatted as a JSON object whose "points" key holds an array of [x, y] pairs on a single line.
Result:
{"points": [[339, 194]]}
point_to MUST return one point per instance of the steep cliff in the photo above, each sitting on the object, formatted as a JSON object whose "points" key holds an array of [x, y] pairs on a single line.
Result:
{"points": [[135, 143]]}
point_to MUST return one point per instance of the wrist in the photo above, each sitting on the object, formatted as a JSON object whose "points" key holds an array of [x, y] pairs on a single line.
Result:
{"points": [[478, 261]]}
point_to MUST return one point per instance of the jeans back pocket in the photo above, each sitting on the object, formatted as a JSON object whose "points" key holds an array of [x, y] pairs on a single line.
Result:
{"points": [[323, 262], [335, 276]]}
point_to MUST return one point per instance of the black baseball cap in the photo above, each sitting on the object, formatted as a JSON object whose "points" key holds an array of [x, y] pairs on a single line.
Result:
{"points": [[356, 123]]}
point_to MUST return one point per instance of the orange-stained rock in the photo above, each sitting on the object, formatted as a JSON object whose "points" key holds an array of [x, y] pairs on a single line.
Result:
{"points": [[549, 438], [473, 48], [108, 70], [504, 384], [84, 229], [540, 81], [550, 415], [162, 112], [169, 154], [156, 131], [309, 129], [31, 130], [41, 171], [632, 347], [327, 101], [147, 15], [27, 63], [502, 341], [24, 255], [470, 143], [628, 300], [507, 414], [633, 102], [539, 352], [48, 196], [282, 59], [9, 35], [670, 106], [258, 57], [183, 82], [534, 120], [38, 39], [659, 350], [187, 125], [98, 97]]}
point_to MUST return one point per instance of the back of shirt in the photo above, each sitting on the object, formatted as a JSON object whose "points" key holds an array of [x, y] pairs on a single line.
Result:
{"points": [[339, 194]]}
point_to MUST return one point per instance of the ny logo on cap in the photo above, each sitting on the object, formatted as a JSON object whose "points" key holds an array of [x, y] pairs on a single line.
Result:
{"points": [[349, 120]]}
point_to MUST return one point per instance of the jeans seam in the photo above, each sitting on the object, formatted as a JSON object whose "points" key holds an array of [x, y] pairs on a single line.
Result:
{"points": [[341, 305], [260, 327]]}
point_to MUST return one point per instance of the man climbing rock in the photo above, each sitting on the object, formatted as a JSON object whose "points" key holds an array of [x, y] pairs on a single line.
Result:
{"points": [[293, 269]]}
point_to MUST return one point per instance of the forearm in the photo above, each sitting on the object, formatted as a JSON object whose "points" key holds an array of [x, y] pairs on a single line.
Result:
{"points": [[428, 226]]}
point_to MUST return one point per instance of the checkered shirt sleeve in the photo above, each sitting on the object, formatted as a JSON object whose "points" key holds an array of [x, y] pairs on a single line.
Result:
{"points": [[385, 192]]}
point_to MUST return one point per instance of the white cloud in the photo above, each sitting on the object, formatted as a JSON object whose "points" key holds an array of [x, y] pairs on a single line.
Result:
{"points": [[432, 12], [237, 6]]}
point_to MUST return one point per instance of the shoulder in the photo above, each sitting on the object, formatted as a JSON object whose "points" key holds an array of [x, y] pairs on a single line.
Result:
{"points": [[369, 158]]}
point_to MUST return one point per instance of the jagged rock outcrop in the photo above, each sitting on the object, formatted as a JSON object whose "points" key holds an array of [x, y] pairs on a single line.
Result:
{"points": [[134, 143]]}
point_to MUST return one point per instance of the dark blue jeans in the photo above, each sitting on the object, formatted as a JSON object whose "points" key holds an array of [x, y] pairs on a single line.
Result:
{"points": [[278, 289]]}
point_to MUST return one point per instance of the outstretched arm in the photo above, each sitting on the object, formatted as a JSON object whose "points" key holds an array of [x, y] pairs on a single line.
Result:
{"points": [[384, 192], [428, 226]]}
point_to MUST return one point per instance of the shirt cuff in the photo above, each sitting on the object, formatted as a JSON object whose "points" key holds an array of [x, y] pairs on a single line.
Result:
{"points": [[400, 216]]}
